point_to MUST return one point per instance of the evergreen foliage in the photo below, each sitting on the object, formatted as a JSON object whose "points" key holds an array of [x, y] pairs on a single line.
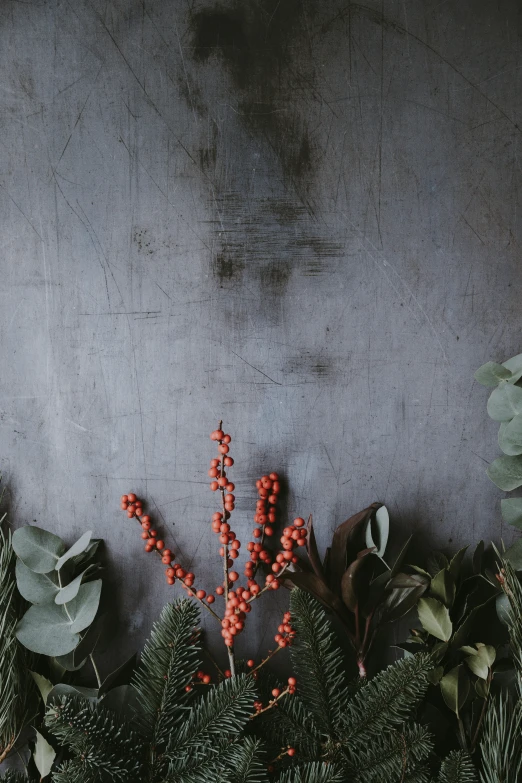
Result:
{"points": [[457, 767], [364, 733], [501, 745], [14, 683], [312, 773]]}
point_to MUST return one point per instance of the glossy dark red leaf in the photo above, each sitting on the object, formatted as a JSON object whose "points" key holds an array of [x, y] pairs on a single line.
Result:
{"points": [[313, 553], [342, 551]]}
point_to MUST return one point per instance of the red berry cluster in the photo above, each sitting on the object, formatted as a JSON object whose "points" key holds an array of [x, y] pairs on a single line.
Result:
{"points": [[277, 694], [293, 536], [285, 633], [268, 488], [199, 677]]}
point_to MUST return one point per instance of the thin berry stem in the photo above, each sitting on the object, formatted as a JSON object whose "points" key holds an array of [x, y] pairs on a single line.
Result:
{"points": [[272, 703], [268, 657]]}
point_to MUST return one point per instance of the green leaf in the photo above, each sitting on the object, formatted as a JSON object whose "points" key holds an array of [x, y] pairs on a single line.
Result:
{"points": [[455, 688], [55, 630], [44, 685], [377, 531], [491, 373], [435, 675], [510, 436], [514, 554], [71, 590], [435, 619], [456, 562], [443, 587], [61, 690], [43, 756], [511, 510], [478, 556], [505, 402], [80, 546], [83, 608], [503, 608], [38, 549], [514, 365], [506, 472], [481, 661], [35, 588]]}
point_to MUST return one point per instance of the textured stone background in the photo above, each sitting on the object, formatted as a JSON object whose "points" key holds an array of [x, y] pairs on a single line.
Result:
{"points": [[302, 217]]}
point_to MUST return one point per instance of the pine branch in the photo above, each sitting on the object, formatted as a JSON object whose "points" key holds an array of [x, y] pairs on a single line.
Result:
{"points": [[10, 776], [225, 709], [501, 744], [245, 763], [105, 747], [387, 700], [457, 767], [14, 684], [513, 590], [295, 723], [169, 659], [312, 773], [391, 756], [318, 662]]}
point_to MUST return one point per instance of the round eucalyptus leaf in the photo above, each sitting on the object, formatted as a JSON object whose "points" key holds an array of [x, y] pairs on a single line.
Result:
{"points": [[506, 472], [491, 373], [35, 588], [83, 608], [47, 630], [77, 548], [514, 365], [511, 510], [38, 549], [505, 402], [514, 554], [510, 436], [71, 590]]}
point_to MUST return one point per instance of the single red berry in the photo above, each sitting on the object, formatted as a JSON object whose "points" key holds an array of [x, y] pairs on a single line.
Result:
{"points": [[210, 599], [291, 751], [251, 663], [200, 594], [159, 544]]}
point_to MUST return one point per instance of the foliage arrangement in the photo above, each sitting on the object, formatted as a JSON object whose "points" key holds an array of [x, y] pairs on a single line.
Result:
{"points": [[448, 711]]}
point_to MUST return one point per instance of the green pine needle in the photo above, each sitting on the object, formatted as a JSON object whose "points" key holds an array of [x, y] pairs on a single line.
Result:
{"points": [[312, 773], [501, 744], [457, 767], [387, 700], [391, 756], [318, 662], [169, 660]]}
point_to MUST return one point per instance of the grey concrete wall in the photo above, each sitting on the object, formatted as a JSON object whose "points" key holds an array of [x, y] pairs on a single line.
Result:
{"points": [[301, 217]]}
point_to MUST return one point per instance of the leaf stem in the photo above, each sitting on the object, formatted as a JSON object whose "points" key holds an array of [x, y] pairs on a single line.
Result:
{"points": [[96, 672]]}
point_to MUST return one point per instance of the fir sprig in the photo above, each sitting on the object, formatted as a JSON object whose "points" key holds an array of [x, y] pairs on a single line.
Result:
{"points": [[457, 767]]}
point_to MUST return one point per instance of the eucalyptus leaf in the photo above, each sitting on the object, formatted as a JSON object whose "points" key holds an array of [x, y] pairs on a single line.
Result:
{"points": [[510, 436], [514, 365], [44, 685], [43, 756], [505, 402], [78, 657], [38, 549], [47, 630], [491, 373], [377, 531], [455, 688], [83, 608], [506, 472], [35, 588], [434, 618], [511, 510], [70, 591], [76, 549]]}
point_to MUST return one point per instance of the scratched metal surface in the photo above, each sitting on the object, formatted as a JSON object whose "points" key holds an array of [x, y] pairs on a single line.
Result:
{"points": [[301, 217]]}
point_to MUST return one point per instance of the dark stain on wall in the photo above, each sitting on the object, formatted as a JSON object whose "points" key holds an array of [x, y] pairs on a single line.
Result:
{"points": [[257, 45]]}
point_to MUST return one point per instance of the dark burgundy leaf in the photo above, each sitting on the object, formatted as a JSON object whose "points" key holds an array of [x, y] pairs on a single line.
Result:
{"points": [[311, 548], [350, 582], [342, 550]]}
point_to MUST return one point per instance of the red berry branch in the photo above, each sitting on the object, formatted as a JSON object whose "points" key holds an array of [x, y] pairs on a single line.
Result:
{"points": [[237, 599]]}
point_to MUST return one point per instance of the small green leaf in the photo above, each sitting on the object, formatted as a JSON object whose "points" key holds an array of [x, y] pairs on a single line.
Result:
{"points": [[377, 531], [435, 675], [44, 685], [70, 591], [436, 562], [76, 549], [38, 549], [435, 619], [505, 402], [491, 373], [482, 688], [514, 365], [506, 472], [35, 588], [443, 587], [455, 688], [481, 661], [456, 562], [511, 510], [510, 436], [43, 756], [477, 558]]}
